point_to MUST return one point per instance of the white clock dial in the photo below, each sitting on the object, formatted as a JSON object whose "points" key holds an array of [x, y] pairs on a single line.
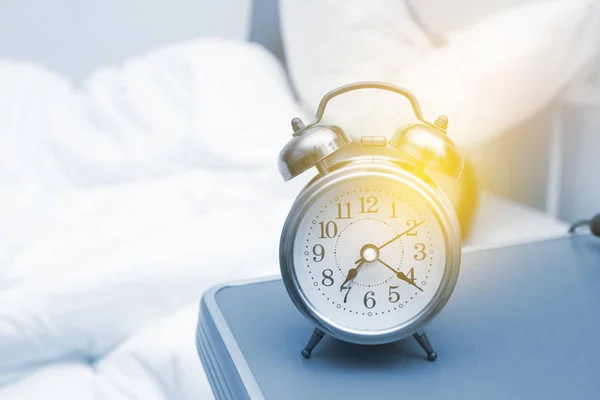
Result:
{"points": [[369, 254]]}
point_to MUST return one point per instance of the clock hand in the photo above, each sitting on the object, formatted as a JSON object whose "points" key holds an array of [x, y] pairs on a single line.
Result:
{"points": [[395, 238], [400, 235], [352, 272], [401, 275]]}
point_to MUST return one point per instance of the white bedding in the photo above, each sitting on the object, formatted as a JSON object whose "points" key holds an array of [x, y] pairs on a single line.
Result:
{"points": [[487, 78], [123, 200]]}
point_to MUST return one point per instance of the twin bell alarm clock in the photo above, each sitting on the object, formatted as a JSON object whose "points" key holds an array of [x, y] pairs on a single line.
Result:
{"points": [[370, 251]]}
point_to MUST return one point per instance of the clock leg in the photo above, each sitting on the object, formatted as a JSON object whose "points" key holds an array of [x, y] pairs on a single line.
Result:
{"points": [[421, 337], [312, 343]]}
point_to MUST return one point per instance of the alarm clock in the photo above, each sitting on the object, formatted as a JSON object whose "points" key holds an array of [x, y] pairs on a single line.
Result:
{"points": [[370, 250]]}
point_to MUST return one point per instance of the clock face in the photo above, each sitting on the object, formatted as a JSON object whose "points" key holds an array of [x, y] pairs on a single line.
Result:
{"points": [[369, 254]]}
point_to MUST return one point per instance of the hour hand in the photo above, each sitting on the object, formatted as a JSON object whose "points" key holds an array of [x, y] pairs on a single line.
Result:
{"points": [[352, 272]]}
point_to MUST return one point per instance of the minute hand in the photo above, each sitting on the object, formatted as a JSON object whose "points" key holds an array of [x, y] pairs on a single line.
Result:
{"points": [[399, 274], [400, 235], [395, 238]]}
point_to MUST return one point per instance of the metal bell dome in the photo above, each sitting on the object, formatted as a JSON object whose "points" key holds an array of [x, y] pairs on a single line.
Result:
{"points": [[430, 145], [309, 146]]}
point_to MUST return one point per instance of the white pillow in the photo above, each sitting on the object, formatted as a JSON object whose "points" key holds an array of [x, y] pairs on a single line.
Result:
{"points": [[487, 78]]}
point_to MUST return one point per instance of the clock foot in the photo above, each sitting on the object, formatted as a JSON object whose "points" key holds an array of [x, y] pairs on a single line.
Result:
{"points": [[312, 343], [421, 337]]}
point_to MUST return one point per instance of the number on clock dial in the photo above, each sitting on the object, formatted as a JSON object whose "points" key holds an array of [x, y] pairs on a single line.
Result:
{"points": [[343, 211], [319, 252], [412, 224], [394, 296], [369, 300], [347, 289], [328, 230], [420, 248], [327, 278], [368, 205], [369, 297]]}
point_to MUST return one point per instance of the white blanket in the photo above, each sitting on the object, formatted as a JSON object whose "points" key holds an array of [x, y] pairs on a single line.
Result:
{"points": [[121, 202]]}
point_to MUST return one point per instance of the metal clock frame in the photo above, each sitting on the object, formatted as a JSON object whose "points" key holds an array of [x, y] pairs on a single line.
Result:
{"points": [[361, 168]]}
